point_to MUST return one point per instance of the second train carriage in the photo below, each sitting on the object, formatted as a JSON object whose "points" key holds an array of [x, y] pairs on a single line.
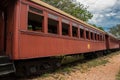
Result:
{"points": [[113, 42]]}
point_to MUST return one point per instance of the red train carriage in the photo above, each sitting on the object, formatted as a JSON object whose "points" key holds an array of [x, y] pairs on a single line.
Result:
{"points": [[112, 43], [33, 29], [36, 31], [42, 32]]}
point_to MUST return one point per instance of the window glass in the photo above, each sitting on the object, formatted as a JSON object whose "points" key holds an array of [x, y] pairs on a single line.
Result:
{"points": [[91, 34], [101, 37], [95, 36], [98, 37], [65, 29], [87, 34], [52, 26], [74, 31], [35, 22], [81, 33]]}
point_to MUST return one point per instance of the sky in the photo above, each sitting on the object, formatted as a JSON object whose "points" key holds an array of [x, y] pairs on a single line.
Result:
{"points": [[106, 13]]}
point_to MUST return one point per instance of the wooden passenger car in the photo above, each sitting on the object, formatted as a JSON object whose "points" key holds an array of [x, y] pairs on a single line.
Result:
{"points": [[58, 33], [114, 43], [36, 29]]}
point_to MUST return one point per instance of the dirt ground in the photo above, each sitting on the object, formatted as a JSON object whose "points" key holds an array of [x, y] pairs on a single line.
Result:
{"points": [[102, 72]]}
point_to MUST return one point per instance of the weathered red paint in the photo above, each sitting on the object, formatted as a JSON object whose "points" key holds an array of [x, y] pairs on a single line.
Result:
{"points": [[25, 44], [113, 43], [37, 45]]}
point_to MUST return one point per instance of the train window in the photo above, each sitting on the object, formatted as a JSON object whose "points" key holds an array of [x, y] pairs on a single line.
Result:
{"points": [[81, 33], [52, 26], [65, 29], [87, 34], [35, 22], [98, 37], [95, 36], [101, 37], [35, 10], [91, 34], [74, 31]]}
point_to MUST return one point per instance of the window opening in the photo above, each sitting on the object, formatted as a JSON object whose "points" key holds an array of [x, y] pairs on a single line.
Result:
{"points": [[95, 36], [91, 34], [101, 37], [52, 26], [81, 33], [65, 29], [98, 37], [87, 34], [35, 22], [74, 31]]}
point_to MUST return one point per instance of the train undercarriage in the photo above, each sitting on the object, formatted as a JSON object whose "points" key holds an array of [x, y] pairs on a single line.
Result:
{"points": [[40, 66]]}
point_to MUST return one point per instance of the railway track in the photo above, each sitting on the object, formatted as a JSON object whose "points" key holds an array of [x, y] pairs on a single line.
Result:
{"points": [[47, 70]]}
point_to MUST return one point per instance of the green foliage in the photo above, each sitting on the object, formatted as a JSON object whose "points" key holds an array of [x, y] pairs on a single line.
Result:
{"points": [[115, 30], [93, 25], [101, 28], [74, 8]]}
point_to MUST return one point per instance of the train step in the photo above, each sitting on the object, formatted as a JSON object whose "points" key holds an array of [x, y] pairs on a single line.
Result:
{"points": [[6, 65]]}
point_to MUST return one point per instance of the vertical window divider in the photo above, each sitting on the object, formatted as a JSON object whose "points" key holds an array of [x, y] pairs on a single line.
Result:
{"points": [[70, 29], [78, 32], [45, 28], [89, 35], [60, 26], [93, 36], [84, 34], [43, 24]]}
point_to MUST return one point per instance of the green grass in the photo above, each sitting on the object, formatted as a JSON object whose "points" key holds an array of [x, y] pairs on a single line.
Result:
{"points": [[93, 63], [118, 76], [97, 62], [82, 67]]}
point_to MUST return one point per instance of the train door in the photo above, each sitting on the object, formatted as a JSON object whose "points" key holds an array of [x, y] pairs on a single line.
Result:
{"points": [[3, 29], [2, 32]]}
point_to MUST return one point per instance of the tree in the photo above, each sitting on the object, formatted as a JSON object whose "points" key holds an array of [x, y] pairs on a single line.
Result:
{"points": [[101, 28], [74, 8], [115, 30]]}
